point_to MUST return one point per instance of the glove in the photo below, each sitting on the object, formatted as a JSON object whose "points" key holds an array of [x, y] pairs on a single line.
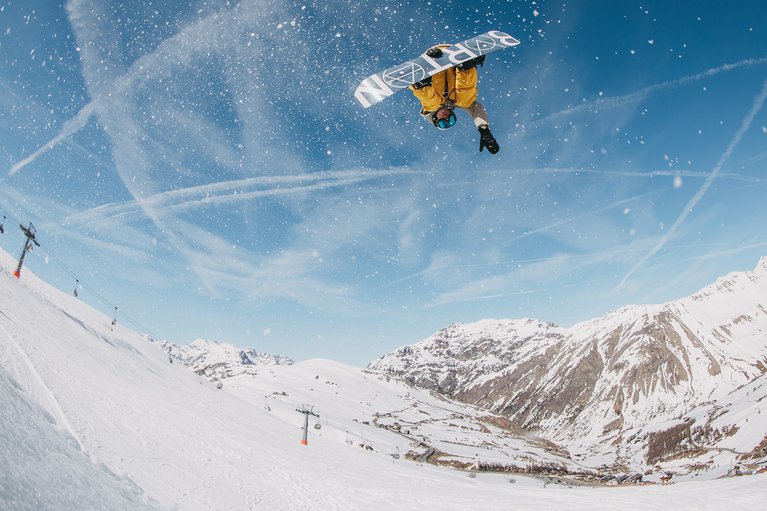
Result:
{"points": [[426, 82], [487, 141], [434, 53], [471, 64]]}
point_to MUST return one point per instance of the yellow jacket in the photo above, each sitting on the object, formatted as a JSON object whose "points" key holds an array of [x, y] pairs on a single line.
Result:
{"points": [[461, 89]]}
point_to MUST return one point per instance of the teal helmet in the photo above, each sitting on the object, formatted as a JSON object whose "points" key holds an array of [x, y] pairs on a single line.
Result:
{"points": [[444, 118]]}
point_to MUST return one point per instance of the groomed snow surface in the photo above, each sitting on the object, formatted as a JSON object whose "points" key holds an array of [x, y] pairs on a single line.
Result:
{"points": [[95, 417]]}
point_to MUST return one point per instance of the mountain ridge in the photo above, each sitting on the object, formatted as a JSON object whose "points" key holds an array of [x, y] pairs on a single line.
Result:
{"points": [[218, 360], [585, 385]]}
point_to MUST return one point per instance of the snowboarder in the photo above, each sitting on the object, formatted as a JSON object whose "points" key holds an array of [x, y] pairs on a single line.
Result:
{"points": [[441, 93]]}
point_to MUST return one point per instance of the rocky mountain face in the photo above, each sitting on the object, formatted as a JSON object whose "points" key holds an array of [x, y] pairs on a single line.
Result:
{"points": [[586, 385], [217, 360]]}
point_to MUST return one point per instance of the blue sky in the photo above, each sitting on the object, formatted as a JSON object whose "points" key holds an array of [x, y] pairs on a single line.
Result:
{"points": [[204, 167]]}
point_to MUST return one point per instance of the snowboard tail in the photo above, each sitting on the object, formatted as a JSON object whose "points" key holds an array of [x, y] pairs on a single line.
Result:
{"points": [[375, 88]]}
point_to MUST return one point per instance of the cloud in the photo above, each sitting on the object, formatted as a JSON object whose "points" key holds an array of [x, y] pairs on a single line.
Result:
{"points": [[160, 137], [535, 275], [111, 84], [528, 277], [147, 110]]}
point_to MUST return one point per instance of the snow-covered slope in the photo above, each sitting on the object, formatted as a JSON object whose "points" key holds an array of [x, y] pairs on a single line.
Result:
{"points": [[42, 467], [217, 360], [716, 438], [388, 417], [97, 418], [585, 386]]}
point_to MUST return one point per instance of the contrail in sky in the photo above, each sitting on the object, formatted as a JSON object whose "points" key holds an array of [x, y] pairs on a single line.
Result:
{"points": [[229, 192], [175, 51], [618, 101], [70, 127], [744, 127]]}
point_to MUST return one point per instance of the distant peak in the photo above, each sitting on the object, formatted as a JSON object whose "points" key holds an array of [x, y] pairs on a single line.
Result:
{"points": [[762, 266], [203, 343]]}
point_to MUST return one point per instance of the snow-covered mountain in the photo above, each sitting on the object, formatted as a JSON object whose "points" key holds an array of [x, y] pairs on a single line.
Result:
{"points": [[218, 360], [587, 386]]}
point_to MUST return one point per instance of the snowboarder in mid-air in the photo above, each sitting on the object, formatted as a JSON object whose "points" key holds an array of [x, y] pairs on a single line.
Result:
{"points": [[455, 87], [443, 79]]}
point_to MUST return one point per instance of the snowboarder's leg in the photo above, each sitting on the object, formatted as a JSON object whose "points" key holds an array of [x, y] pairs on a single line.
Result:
{"points": [[465, 94]]}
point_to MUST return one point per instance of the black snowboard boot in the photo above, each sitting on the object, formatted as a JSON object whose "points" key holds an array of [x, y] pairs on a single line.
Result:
{"points": [[471, 64]]}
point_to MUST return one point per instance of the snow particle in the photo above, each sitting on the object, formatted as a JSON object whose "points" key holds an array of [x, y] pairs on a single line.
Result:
{"points": [[677, 182]]}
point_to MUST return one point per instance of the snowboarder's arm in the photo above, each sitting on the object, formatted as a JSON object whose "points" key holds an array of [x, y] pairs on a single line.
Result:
{"points": [[478, 114], [487, 141]]}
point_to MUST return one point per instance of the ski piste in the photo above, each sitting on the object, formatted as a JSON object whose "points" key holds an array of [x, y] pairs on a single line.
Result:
{"points": [[377, 87]]}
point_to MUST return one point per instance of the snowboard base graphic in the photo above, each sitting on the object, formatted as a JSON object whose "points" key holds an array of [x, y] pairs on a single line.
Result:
{"points": [[377, 87]]}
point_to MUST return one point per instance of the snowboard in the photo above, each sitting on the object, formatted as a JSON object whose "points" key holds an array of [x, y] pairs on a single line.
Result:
{"points": [[377, 87]]}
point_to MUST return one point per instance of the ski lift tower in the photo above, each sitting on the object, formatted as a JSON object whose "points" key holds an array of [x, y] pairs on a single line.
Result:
{"points": [[307, 411], [29, 232]]}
